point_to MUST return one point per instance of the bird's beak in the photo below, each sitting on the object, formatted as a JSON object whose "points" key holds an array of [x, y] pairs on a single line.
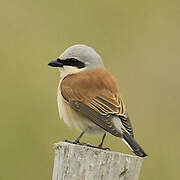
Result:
{"points": [[55, 63]]}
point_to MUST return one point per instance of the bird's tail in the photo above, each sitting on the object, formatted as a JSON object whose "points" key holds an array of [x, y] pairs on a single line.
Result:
{"points": [[133, 145]]}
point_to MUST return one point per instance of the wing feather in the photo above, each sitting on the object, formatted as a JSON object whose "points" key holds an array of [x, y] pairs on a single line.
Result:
{"points": [[96, 94], [105, 122]]}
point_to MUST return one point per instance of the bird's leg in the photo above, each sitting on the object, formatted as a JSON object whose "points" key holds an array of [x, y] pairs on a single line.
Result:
{"points": [[101, 144], [76, 141]]}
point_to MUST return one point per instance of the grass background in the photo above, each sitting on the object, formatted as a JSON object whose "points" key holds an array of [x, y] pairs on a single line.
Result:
{"points": [[139, 42]]}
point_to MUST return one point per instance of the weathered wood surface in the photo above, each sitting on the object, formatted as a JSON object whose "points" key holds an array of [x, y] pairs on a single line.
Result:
{"points": [[76, 162]]}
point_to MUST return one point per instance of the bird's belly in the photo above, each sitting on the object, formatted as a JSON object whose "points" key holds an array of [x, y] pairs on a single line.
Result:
{"points": [[73, 118]]}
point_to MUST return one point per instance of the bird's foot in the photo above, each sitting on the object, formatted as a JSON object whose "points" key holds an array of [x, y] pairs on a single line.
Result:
{"points": [[98, 147], [68, 141], [85, 144], [75, 142]]}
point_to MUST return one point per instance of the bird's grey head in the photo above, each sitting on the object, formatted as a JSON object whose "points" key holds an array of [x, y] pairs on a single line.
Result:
{"points": [[77, 58]]}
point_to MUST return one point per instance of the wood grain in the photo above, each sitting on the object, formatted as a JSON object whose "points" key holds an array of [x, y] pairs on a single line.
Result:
{"points": [[77, 162]]}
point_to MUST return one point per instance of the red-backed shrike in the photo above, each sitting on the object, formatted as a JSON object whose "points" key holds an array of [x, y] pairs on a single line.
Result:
{"points": [[88, 97]]}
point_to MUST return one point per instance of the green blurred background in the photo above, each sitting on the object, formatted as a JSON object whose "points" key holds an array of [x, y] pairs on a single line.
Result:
{"points": [[139, 42]]}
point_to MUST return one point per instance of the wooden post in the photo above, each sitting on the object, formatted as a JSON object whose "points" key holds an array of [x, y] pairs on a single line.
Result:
{"points": [[76, 162]]}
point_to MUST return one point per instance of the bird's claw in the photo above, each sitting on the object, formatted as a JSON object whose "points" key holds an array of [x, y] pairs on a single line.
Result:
{"points": [[75, 142], [98, 147], [85, 144]]}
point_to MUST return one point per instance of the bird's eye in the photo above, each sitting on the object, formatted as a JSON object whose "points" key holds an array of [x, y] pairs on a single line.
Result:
{"points": [[58, 60], [74, 62]]}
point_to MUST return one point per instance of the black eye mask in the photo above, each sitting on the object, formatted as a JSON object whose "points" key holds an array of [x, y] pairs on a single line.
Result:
{"points": [[71, 62]]}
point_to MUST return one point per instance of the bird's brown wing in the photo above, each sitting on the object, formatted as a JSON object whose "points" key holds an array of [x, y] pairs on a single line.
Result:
{"points": [[94, 94]]}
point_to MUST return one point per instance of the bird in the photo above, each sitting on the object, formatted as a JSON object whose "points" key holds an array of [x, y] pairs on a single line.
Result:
{"points": [[88, 97]]}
